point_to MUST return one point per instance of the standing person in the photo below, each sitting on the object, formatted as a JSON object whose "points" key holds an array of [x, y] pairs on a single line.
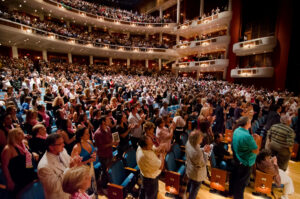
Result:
{"points": [[244, 148], [104, 143], [281, 143], [150, 165], [53, 165], [76, 181], [219, 126], [137, 120], [196, 159]]}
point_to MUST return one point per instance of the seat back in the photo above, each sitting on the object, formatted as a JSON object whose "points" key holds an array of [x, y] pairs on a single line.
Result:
{"points": [[32, 191], [295, 150], [177, 151], [218, 179], [258, 141], [117, 173], [130, 158], [263, 182], [213, 162], [184, 138], [228, 135], [170, 162]]}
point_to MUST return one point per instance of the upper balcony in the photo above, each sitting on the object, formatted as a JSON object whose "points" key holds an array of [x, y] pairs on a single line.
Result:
{"points": [[255, 46], [207, 46], [202, 66], [58, 10], [259, 72], [23, 36], [207, 25]]}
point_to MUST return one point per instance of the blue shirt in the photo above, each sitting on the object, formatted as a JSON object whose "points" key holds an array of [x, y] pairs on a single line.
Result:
{"points": [[243, 144]]}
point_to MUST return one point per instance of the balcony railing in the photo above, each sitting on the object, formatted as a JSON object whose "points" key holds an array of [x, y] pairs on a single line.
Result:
{"points": [[209, 65], [261, 72], [209, 24], [49, 35], [208, 45], [255, 46], [107, 19]]}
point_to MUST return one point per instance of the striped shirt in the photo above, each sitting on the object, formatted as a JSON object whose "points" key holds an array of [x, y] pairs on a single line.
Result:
{"points": [[282, 135]]}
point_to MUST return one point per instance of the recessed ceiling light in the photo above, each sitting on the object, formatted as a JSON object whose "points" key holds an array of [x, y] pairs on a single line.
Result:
{"points": [[35, 10], [20, 5]]}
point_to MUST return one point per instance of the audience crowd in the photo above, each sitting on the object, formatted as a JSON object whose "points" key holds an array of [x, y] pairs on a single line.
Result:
{"points": [[59, 118], [113, 13], [81, 33]]}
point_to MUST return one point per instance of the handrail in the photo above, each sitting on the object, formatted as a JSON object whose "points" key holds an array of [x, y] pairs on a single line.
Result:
{"points": [[213, 39], [205, 63], [105, 18], [200, 21], [79, 41]]}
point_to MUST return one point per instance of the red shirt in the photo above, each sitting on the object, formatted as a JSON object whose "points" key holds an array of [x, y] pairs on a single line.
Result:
{"points": [[102, 138]]}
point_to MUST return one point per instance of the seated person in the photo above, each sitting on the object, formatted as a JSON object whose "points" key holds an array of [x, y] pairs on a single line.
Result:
{"points": [[268, 164], [223, 157]]}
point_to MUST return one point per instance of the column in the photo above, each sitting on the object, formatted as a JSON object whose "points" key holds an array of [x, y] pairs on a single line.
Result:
{"points": [[229, 5], [110, 61], [160, 12], [42, 17], [128, 62], [159, 64], [177, 39], [91, 60], [202, 7], [90, 28], [224, 74], [68, 23], [147, 36], [70, 58], [45, 58], [178, 12], [197, 75], [147, 63], [160, 37], [128, 34], [15, 53], [235, 27]]}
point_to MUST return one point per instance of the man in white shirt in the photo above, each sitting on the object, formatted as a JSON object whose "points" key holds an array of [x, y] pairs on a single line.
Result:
{"points": [[52, 166], [150, 166]]}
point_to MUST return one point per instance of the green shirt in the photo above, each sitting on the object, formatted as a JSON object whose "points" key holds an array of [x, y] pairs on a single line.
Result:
{"points": [[243, 144]]}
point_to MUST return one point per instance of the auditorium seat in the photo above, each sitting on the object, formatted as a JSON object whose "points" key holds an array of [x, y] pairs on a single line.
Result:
{"points": [[32, 191], [130, 159]]}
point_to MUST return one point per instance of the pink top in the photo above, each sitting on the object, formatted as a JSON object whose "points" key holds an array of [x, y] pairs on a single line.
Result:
{"points": [[165, 138], [79, 195], [45, 117]]}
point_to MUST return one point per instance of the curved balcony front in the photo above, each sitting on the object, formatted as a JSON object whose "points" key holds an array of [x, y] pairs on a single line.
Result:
{"points": [[255, 46], [60, 11], [202, 66], [207, 25], [261, 72], [203, 46], [23, 36]]}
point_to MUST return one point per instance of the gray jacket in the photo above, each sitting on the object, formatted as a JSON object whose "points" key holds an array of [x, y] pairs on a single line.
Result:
{"points": [[196, 161]]}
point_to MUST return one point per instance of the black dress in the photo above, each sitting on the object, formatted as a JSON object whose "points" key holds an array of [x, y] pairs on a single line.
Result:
{"points": [[21, 175]]}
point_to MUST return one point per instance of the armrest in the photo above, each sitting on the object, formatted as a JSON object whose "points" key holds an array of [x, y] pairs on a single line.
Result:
{"points": [[180, 161], [130, 169], [2, 186], [182, 147]]}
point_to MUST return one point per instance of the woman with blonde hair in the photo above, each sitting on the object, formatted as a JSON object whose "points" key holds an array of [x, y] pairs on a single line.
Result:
{"points": [[17, 161], [76, 181]]}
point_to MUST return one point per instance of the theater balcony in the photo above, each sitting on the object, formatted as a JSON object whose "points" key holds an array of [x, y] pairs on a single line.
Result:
{"points": [[202, 66], [255, 46], [54, 8], [204, 26], [23, 36], [260, 72], [203, 46]]}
